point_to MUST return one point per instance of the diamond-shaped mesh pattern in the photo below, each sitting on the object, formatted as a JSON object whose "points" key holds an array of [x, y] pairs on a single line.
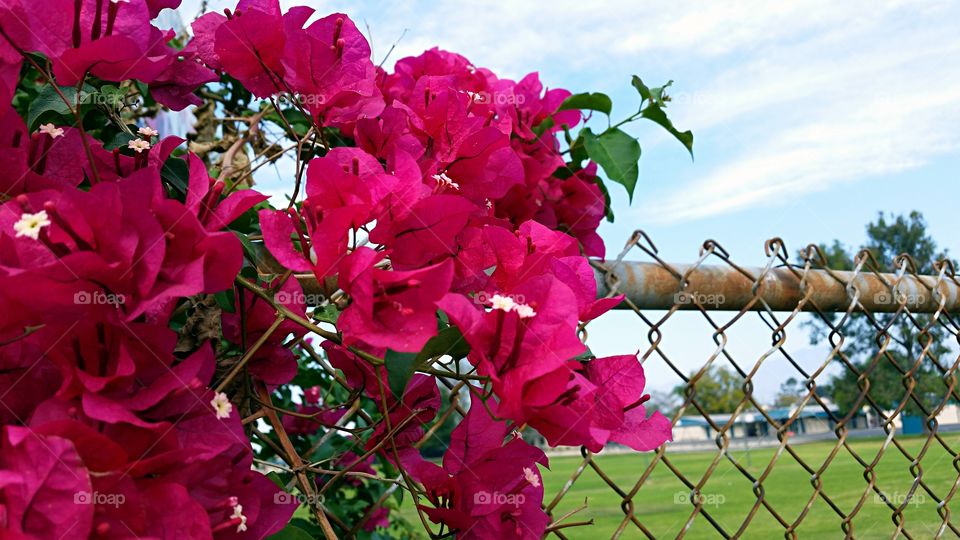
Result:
{"points": [[860, 476]]}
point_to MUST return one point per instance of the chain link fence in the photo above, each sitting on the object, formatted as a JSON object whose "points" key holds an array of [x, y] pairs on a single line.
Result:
{"points": [[875, 467]]}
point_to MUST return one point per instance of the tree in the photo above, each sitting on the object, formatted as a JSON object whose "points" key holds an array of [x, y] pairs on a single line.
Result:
{"points": [[718, 390], [789, 394], [887, 237], [665, 401]]}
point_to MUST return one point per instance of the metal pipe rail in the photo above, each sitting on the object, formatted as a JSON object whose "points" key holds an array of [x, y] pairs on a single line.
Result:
{"points": [[724, 288]]}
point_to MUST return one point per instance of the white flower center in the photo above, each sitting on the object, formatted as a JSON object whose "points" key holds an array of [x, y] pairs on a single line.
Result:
{"points": [[30, 224], [221, 405], [531, 477], [148, 132], [445, 181], [139, 145], [51, 130], [524, 311], [238, 514], [503, 303]]}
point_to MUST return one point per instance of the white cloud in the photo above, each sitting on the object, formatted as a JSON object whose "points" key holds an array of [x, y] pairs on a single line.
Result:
{"points": [[840, 106], [785, 98]]}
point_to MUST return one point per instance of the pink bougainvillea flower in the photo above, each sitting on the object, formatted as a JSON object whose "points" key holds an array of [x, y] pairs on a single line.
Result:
{"points": [[175, 85], [523, 104], [531, 331], [346, 189], [405, 417], [486, 487], [163, 253], [620, 403], [328, 65], [166, 454], [319, 238], [455, 198], [48, 159], [444, 121], [391, 309], [40, 478], [203, 197], [591, 405], [388, 133], [535, 250], [576, 206], [425, 232], [273, 363], [360, 374], [486, 166], [349, 180], [109, 39], [460, 74], [158, 5], [249, 44]]}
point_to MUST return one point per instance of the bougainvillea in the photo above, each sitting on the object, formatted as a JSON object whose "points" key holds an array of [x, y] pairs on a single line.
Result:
{"points": [[182, 358]]}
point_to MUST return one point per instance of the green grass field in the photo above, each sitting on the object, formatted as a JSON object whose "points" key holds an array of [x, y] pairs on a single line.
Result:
{"points": [[662, 505]]}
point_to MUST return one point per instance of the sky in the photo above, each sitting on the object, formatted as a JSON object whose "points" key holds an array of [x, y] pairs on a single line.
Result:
{"points": [[809, 118]]}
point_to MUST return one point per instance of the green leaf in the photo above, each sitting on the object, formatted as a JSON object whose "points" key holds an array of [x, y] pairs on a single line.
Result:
{"points": [[592, 101], [291, 533], [119, 140], [176, 172], [49, 101], [298, 121], [618, 154], [226, 300], [275, 478], [543, 126], [109, 96], [654, 95], [308, 376], [448, 341], [585, 355], [577, 152], [248, 248], [658, 115], [146, 98], [400, 367], [328, 313]]}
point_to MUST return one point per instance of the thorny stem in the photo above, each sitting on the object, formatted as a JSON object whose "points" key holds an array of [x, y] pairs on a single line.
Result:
{"points": [[294, 460], [249, 354]]}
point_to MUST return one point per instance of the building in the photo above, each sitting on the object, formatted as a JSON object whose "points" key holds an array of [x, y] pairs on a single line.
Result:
{"points": [[813, 419]]}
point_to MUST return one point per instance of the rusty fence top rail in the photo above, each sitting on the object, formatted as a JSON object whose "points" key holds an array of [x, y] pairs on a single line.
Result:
{"points": [[656, 286]]}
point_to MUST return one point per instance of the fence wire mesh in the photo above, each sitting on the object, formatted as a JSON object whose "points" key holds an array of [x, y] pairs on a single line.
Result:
{"points": [[861, 476]]}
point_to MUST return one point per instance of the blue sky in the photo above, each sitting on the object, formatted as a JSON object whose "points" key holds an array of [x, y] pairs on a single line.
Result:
{"points": [[809, 118]]}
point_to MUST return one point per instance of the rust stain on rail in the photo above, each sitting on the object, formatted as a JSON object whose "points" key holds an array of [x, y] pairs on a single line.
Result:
{"points": [[656, 286]]}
